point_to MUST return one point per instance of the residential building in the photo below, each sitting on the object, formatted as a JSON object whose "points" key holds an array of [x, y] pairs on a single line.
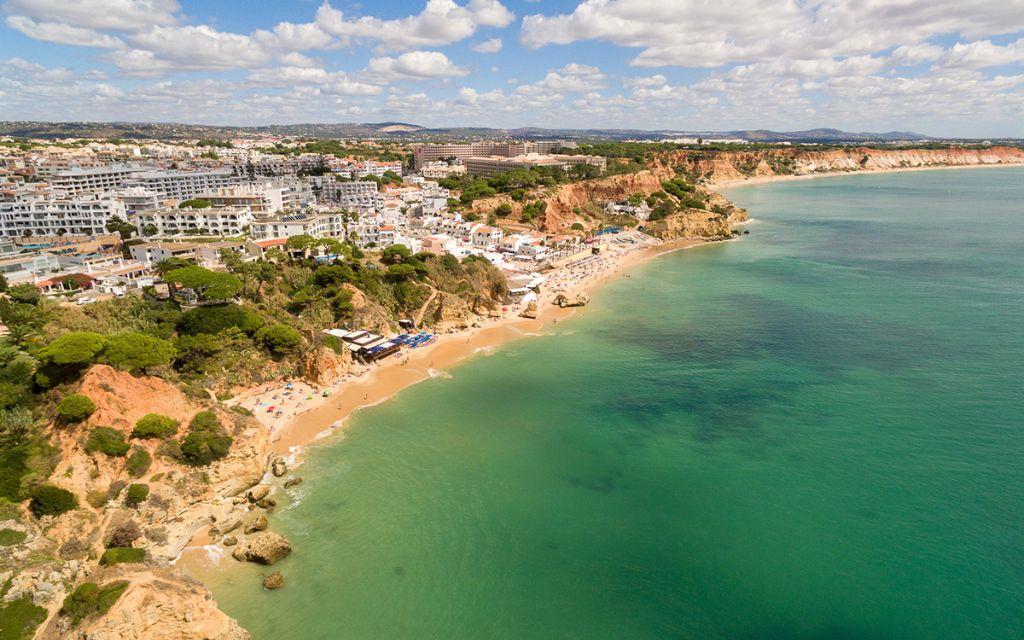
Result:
{"points": [[209, 221], [46, 214], [100, 178], [184, 185]]}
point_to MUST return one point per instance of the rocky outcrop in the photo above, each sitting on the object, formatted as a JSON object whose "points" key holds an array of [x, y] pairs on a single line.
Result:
{"points": [[266, 547], [578, 300], [159, 604], [322, 365], [530, 311], [445, 311], [259, 523]]}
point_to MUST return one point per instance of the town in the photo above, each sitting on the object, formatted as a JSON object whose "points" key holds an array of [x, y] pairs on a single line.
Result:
{"points": [[92, 220]]}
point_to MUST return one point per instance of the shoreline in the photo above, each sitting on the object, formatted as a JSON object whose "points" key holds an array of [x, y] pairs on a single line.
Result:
{"points": [[740, 182]]}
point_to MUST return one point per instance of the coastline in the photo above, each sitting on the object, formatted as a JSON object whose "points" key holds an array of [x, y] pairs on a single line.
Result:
{"points": [[739, 182]]}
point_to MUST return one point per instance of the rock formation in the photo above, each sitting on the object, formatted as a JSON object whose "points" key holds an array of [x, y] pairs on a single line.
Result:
{"points": [[266, 547]]}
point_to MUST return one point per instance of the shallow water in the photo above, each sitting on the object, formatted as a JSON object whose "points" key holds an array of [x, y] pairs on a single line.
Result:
{"points": [[813, 433]]}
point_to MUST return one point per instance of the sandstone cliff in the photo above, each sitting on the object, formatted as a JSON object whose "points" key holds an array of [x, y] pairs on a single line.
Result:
{"points": [[181, 501], [717, 167]]}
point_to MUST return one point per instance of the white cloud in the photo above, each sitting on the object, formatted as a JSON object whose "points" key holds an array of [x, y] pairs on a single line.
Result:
{"points": [[440, 23], [120, 15], [331, 82], [572, 77], [982, 53], [198, 47], [645, 81], [415, 65], [62, 33], [488, 46], [693, 33]]}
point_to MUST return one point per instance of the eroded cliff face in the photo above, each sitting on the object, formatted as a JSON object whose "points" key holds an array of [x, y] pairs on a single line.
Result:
{"points": [[718, 167], [182, 500]]}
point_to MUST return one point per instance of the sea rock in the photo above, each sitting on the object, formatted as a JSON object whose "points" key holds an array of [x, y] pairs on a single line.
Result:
{"points": [[266, 547], [259, 523], [530, 311], [579, 300], [229, 541], [273, 581], [267, 503], [279, 467], [229, 524], [292, 482], [258, 492]]}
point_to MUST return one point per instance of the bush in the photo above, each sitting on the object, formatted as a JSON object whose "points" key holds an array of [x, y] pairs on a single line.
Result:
{"points": [[124, 535], [155, 425], [138, 463], [135, 351], [122, 555], [89, 599], [136, 494], [75, 407], [206, 441], [19, 619], [212, 320], [48, 500], [106, 440], [280, 338]]}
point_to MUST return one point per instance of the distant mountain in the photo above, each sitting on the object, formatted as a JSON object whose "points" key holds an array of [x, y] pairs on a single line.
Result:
{"points": [[404, 131]]}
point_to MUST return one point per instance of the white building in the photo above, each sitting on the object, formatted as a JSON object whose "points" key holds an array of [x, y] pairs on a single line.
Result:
{"points": [[213, 221], [184, 185], [103, 178], [36, 214]]}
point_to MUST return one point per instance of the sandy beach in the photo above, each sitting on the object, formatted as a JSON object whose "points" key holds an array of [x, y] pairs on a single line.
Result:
{"points": [[302, 414]]}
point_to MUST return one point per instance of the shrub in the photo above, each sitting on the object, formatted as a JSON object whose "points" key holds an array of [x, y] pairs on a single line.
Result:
{"points": [[19, 619], [75, 407], [10, 537], [106, 440], [124, 535], [206, 441], [88, 599], [136, 494], [96, 498], [133, 351], [48, 500], [155, 425], [280, 338], [115, 489], [138, 463], [122, 555], [212, 320]]}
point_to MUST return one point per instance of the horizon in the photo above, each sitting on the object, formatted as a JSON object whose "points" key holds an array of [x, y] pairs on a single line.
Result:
{"points": [[590, 64]]}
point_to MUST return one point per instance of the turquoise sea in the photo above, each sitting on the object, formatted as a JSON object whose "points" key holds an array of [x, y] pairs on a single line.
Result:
{"points": [[814, 433]]}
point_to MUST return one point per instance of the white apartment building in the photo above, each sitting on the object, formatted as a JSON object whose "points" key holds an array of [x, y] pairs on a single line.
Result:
{"points": [[358, 192], [319, 225], [138, 198], [212, 221], [184, 185], [439, 170], [38, 214], [102, 178]]}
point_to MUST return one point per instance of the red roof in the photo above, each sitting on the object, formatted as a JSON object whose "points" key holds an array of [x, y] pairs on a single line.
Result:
{"points": [[273, 242]]}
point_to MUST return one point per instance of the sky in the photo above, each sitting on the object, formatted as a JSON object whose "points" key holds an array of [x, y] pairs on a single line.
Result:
{"points": [[938, 67]]}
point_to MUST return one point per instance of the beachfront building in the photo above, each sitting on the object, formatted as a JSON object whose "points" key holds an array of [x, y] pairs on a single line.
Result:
{"points": [[48, 214]]}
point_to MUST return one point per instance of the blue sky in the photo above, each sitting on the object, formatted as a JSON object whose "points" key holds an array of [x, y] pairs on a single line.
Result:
{"points": [[936, 67]]}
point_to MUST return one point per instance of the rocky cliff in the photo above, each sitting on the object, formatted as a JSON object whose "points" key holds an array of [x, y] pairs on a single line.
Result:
{"points": [[159, 602], [718, 167]]}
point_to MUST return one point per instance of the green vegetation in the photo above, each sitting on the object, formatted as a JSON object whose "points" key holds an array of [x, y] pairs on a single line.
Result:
{"points": [[122, 555], [19, 619], [155, 425], [206, 440], [279, 339], [136, 494], [138, 462], [195, 203], [11, 537], [209, 285], [107, 441], [90, 599], [136, 352], [75, 407], [214, 319], [48, 500]]}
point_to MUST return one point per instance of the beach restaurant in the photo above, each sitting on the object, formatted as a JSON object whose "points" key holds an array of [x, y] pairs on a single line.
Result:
{"points": [[364, 345]]}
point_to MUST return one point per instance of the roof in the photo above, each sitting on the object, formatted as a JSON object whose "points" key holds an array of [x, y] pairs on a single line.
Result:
{"points": [[272, 242]]}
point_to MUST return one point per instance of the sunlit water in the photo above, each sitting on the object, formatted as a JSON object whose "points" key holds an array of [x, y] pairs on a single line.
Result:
{"points": [[813, 433]]}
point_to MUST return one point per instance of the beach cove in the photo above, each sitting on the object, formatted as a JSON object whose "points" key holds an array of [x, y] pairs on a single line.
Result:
{"points": [[703, 452]]}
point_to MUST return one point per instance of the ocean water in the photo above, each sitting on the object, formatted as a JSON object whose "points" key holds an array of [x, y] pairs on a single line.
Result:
{"points": [[814, 433]]}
